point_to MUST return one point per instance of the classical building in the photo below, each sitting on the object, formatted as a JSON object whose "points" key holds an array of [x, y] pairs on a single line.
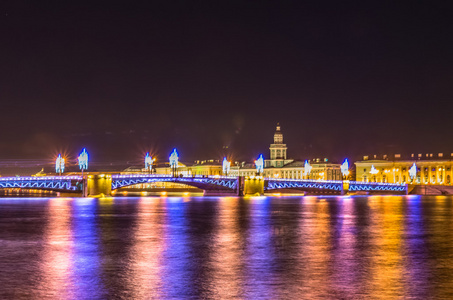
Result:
{"points": [[279, 166], [429, 169], [277, 151], [205, 167]]}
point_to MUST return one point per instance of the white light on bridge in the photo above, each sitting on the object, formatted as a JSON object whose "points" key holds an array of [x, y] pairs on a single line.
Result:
{"points": [[307, 168], [373, 170], [83, 160], [148, 161], [226, 166], [174, 159], [59, 164], [345, 168], [259, 164], [413, 171]]}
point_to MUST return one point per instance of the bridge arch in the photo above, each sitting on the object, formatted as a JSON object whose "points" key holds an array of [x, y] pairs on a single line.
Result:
{"points": [[203, 183]]}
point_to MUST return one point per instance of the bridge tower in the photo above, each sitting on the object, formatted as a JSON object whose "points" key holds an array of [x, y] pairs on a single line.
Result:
{"points": [[253, 186], [99, 185]]}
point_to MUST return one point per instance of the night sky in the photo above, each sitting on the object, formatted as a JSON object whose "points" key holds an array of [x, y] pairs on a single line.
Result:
{"points": [[343, 79]]}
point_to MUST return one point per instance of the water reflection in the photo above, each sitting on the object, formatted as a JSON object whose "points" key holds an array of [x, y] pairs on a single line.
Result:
{"points": [[386, 263], [86, 256], [228, 250], [145, 257], [259, 247], [56, 265]]}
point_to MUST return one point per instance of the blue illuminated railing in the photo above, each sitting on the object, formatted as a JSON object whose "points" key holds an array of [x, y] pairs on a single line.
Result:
{"points": [[281, 183], [65, 183], [119, 181], [375, 186]]}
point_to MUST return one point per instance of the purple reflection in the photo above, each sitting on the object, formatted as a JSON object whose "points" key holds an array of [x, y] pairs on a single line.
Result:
{"points": [[177, 269], [418, 271], [259, 259], [85, 251]]}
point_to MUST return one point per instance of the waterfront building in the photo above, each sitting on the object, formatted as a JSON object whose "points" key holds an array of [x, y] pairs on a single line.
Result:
{"points": [[277, 151], [430, 169], [279, 166]]}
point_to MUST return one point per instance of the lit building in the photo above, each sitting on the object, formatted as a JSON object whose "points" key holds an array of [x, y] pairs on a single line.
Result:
{"points": [[279, 166], [205, 167], [277, 151], [429, 169]]}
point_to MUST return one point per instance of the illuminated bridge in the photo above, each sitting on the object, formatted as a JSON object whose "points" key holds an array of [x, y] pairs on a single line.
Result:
{"points": [[223, 184], [310, 186], [53, 183], [334, 186]]}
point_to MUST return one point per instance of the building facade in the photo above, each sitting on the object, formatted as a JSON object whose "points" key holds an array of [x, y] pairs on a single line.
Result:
{"points": [[429, 169], [279, 166]]}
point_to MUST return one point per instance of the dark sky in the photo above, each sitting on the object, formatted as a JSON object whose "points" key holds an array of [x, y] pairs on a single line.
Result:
{"points": [[343, 79]]}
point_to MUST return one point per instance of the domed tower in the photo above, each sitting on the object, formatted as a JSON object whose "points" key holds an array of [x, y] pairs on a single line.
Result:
{"points": [[278, 136], [277, 149]]}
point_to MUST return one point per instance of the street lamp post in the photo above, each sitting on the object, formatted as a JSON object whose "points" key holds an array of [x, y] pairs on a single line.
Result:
{"points": [[413, 172], [59, 165], [83, 165], [174, 162], [149, 162], [259, 164], [226, 166], [345, 169], [307, 169], [374, 172]]}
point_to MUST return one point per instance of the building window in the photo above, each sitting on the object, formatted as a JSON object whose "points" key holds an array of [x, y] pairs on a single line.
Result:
{"points": [[448, 179]]}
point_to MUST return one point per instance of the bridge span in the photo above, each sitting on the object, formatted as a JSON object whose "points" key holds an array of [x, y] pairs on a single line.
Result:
{"points": [[103, 184]]}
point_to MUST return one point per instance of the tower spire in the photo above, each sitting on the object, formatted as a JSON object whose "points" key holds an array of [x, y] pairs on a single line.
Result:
{"points": [[278, 136]]}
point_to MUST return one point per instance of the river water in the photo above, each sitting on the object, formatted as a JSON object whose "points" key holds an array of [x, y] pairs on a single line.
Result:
{"points": [[218, 248]]}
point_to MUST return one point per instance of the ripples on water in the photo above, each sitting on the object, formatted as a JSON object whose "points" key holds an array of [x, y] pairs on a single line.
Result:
{"points": [[263, 247]]}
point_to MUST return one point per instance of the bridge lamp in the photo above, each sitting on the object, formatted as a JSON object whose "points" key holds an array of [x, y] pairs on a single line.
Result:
{"points": [[83, 160], [59, 164], [149, 162], [307, 168], [345, 168], [374, 171], [174, 161], [226, 166], [413, 172], [259, 164]]}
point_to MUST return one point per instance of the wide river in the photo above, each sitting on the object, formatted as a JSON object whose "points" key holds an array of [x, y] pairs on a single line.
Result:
{"points": [[219, 248]]}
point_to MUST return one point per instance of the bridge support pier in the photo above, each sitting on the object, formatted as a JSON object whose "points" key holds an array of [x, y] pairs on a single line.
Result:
{"points": [[99, 185], [254, 186]]}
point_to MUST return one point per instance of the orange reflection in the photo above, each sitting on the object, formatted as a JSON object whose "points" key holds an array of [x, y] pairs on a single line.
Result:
{"points": [[315, 243], [386, 263], [146, 254], [227, 254], [56, 263]]}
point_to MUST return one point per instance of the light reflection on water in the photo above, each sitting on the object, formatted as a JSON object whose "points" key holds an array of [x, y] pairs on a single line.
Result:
{"points": [[259, 247]]}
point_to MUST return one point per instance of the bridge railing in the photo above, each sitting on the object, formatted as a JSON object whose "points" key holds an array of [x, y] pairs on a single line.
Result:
{"points": [[303, 180], [38, 178], [122, 176]]}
